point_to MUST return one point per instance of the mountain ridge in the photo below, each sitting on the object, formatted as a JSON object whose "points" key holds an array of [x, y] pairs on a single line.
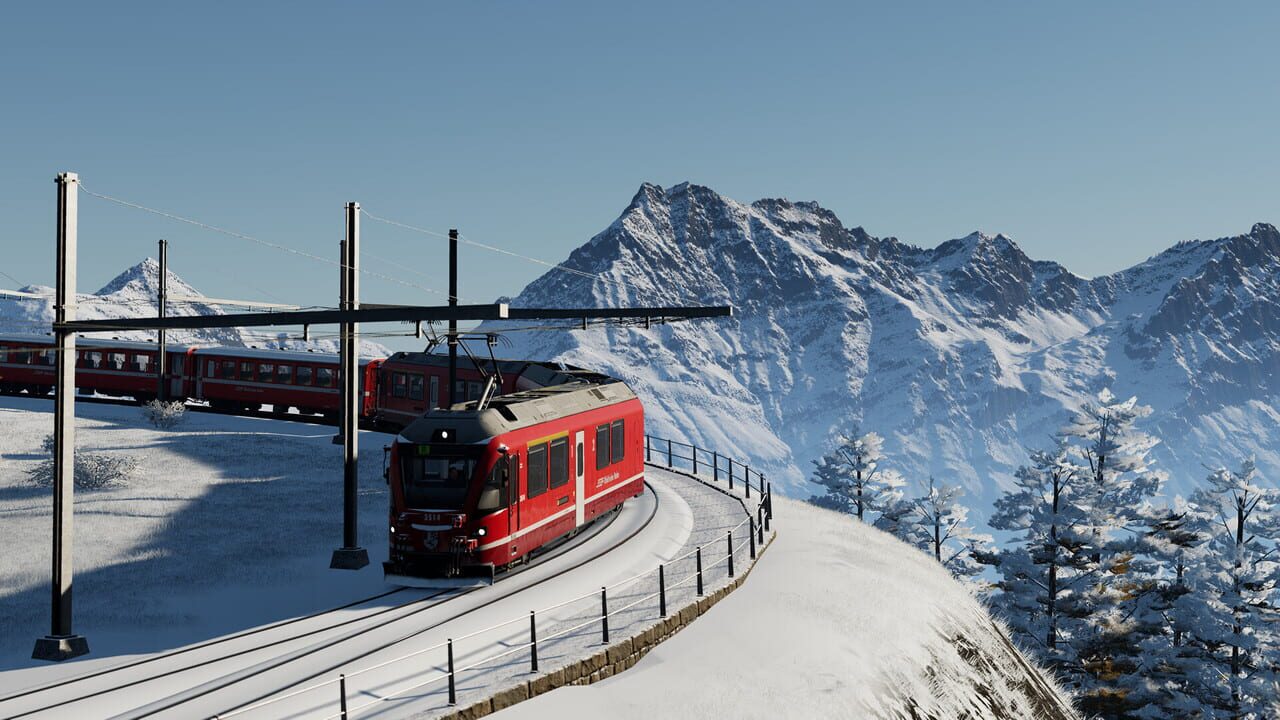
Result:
{"points": [[962, 355]]}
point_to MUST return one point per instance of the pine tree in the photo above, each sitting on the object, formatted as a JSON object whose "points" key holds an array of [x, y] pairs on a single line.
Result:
{"points": [[1050, 556], [938, 527], [1173, 542], [1234, 606], [851, 475], [1117, 487]]}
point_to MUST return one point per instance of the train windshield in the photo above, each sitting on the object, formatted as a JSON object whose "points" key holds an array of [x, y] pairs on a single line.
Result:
{"points": [[436, 482]]}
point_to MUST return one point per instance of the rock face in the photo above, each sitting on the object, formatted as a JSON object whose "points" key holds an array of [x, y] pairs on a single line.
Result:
{"points": [[962, 355], [133, 294]]}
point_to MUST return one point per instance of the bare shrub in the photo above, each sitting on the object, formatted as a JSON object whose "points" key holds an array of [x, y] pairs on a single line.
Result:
{"points": [[93, 471], [165, 415]]}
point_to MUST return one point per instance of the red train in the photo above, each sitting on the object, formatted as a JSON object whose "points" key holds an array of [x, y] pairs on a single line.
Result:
{"points": [[395, 390], [475, 491]]}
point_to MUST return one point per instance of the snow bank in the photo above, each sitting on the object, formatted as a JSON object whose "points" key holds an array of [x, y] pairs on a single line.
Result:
{"points": [[837, 620]]}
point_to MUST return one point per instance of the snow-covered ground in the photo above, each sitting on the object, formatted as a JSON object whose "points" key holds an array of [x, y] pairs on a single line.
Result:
{"points": [[228, 522], [838, 620]]}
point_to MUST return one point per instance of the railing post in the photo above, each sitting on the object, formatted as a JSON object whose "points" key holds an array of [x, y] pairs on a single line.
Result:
{"points": [[730, 473], [766, 517], [752, 536], [533, 643], [768, 500], [669, 465], [604, 614], [715, 466], [662, 590], [760, 523], [453, 690], [746, 479], [699, 571], [342, 696], [695, 459], [729, 536], [648, 448]]}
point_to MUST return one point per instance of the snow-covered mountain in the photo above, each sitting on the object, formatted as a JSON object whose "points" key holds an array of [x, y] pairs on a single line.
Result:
{"points": [[962, 355], [133, 293]]}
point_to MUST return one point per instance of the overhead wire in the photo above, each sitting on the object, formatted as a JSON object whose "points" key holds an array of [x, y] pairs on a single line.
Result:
{"points": [[467, 241], [252, 239]]}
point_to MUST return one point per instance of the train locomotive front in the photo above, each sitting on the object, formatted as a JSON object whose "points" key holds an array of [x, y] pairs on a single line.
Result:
{"points": [[476, 490]]}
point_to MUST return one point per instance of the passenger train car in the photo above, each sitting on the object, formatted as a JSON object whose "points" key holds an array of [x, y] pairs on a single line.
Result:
{"points": [[475, 491], [394, 390]]}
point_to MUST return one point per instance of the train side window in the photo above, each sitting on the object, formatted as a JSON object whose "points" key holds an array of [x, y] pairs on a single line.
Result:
{"points": [[324, 377], [4, 355], [399, 385], [473, 391], [602, 447], [246, 371], [95, 359], [618, 447], [435, 391], [415, 387], [559, 462], [228, 370], [265, 372], [47, 357], [537, 470], [284, 373], [175, 365], [22, 357], [303, 376], [141, 362], [459, 392], [493, 496], [117, 361]]}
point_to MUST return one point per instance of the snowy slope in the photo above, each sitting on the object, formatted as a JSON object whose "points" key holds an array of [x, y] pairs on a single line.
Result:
{"points": [[133, 293], [864, 627], [961, 355]]}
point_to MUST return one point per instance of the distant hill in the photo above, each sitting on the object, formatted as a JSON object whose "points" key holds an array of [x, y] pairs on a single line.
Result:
{"points": [[132, 293]]}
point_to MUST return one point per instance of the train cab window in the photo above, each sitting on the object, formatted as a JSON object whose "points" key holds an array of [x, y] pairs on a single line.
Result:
{"points": [[324, 377], [602, 447], [399, 385], [617, 446], [559, 462], [266, 371], [493, 496], [435, 391], [116, 360], [284, 373], [537, 470], [141, 363], [435, 481], [303, 377], [415, 387]]}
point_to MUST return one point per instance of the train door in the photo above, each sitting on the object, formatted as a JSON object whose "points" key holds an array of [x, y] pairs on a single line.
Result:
{"points": [[580, 487]]}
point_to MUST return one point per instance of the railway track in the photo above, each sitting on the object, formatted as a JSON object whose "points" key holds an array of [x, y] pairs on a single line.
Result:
{"points": [[66, 698]]}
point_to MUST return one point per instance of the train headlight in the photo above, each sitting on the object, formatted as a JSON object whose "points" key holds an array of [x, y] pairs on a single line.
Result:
{"points": [[481, 532], [393, 529]]}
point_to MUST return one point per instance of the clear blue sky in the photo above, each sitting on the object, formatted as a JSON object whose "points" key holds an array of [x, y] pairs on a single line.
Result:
{"points": [[1095, 135]]}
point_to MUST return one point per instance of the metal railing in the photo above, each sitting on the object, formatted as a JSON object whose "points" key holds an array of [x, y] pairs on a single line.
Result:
{"points": [[684, 456], [736, 541]]}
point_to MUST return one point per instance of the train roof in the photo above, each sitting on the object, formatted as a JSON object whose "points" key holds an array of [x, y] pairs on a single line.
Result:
{"points": [[517, 410], [88, 343]]}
